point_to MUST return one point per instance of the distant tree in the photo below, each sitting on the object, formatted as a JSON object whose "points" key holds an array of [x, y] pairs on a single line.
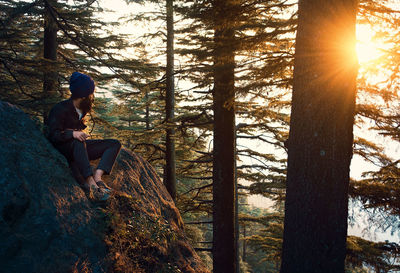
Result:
{"points": [[263, 52], [170, 176], [378, 111]]}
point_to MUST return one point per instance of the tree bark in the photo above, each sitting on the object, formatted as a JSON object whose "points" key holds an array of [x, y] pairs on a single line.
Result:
{"points": [[320, 137], [237, 226], [244, 243], [147, 113], [170, 182], [224, 241], [50, 76]]}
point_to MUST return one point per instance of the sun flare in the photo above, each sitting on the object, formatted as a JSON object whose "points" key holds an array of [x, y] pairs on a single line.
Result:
{"points": [[367, 49]]}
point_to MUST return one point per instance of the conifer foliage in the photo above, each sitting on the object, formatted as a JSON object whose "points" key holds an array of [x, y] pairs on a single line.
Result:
{"points": [[214, 119]]}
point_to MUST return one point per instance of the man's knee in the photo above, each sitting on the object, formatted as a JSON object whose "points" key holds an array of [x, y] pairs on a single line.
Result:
{"points": [[115, 143]]}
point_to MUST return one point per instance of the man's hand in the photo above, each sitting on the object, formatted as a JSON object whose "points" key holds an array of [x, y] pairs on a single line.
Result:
{"points": [[79, 135]]}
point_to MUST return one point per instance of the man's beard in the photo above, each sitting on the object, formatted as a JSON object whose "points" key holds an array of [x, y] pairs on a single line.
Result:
{"points": [[86, 104]]}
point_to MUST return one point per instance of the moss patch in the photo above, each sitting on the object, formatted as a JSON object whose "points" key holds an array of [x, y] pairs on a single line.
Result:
{"points": [[137, 242]]}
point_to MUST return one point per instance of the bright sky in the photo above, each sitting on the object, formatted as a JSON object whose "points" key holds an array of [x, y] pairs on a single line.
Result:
{"points": [[367, 49]]}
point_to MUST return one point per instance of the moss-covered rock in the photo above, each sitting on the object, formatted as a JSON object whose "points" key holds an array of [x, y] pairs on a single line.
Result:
{"points": [[47, 224]]}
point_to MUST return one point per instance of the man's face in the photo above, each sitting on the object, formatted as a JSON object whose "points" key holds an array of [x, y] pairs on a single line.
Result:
{"points": [[86, 103]]}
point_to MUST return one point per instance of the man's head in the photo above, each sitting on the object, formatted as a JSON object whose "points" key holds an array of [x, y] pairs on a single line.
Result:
{"points": [[82, 90], [85, 104]]}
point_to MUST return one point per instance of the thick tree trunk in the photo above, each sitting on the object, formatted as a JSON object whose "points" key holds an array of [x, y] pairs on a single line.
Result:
{"points": [[50, 77], [170, 182], [320, 138], [224, 242]]}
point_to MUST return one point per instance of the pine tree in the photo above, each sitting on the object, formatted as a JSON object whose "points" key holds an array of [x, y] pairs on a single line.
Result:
{"points": [[170, 177], [224, 244], [320, 138], [50, 46], [44, 37]]}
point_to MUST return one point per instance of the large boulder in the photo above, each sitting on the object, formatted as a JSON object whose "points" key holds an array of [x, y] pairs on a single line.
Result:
{"points": [[47, 224]]}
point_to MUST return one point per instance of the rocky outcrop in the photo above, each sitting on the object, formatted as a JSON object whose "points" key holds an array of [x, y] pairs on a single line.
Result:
{"points": [[47, 224]]}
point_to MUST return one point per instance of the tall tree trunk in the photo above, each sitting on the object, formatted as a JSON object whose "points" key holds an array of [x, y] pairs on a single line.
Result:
{"points": [[50, 77], [320, 137], [224, 242], [147, 113], [237, 226], [147, 120], [169, 105], [244, 243]]}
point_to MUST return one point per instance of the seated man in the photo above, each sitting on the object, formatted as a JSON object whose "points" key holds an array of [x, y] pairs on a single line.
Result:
{"points": [[65, 127]]}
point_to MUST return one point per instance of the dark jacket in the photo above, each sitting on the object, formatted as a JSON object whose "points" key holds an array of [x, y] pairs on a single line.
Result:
{"points": [[62, 118]]}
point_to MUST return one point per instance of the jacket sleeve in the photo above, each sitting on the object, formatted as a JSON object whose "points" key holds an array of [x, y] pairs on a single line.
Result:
{"points": [[57, 133]]}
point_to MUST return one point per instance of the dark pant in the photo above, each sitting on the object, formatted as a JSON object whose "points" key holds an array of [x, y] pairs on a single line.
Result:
{"points": [[80, 153]]}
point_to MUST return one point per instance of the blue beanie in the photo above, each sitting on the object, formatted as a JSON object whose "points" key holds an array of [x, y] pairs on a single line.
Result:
{"points": [[80, 85]]}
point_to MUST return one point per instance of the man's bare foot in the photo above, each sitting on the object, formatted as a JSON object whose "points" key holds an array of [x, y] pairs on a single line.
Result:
{"points": [[91, 182], [97, 174], [95, 192]]}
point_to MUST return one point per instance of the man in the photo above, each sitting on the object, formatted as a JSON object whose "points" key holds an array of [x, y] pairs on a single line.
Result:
{"points": [[65, 127]]}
